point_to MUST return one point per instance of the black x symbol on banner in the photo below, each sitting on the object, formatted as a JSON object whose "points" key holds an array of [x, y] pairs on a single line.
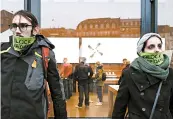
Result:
{"points": [[95, 50]]}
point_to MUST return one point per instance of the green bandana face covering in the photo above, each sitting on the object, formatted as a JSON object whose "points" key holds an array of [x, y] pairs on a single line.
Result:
{"points": [[20, 43], [153, 58]]}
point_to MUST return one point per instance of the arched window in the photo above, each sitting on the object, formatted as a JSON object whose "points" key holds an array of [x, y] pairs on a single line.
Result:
{"points": [[94, 33], [91, 26], [87, 34], [85, 27], [131, 23], [91, 33], [108, 33], [96, 26], [102, 26], [107, 25], [83, 34], [113, 25], [80, 27]]}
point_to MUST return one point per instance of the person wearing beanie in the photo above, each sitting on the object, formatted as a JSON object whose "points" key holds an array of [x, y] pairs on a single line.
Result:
{"points": [[147, 85]]}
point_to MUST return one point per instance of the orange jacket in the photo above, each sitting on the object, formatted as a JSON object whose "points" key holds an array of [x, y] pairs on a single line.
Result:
{"points": [[66, 70]]}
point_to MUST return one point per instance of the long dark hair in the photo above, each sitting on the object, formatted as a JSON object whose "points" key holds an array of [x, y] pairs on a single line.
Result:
{"points": [[29, 16]]}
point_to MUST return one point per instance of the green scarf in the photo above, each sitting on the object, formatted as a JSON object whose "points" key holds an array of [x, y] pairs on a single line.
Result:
{"points": [[153, 58], [21, 43], [159, 71]]}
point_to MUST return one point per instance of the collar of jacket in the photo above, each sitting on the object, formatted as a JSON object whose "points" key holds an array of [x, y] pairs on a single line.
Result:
{"points": [[142, 80], [40, 41]]}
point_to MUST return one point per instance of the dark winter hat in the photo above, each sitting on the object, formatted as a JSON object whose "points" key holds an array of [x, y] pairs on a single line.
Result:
{"points": [[144, 38]]}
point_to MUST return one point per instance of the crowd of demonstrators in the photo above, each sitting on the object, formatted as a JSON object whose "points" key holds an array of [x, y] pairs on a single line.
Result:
{"points": [[22, 77], [65, 72], [147, 85], [82, 74]]}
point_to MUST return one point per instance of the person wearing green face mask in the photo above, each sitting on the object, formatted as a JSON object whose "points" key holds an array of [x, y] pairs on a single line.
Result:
{"points": [[147, 85], [22, 76]]}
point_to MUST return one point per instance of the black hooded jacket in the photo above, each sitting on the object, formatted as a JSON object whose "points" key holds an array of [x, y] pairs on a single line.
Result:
{"points": [[83, 73], [22, 83]]}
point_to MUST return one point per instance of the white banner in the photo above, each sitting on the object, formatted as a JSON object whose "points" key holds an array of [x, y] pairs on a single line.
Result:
{"points": [[66, 48]]}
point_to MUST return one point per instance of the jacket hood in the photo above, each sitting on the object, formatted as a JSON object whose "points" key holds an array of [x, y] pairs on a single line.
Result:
{"points": [[42, 41]]}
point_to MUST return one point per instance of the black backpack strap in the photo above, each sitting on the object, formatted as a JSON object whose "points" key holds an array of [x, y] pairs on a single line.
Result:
{"points": [[156, 100]]}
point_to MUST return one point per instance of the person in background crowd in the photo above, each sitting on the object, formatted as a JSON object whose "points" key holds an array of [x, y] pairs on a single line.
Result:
{"points": [[141, 82], [124, 63], [99, 83], [65, 72], [97, 66], [90, 82], [83, 73], [126, 66], [22, 77]]}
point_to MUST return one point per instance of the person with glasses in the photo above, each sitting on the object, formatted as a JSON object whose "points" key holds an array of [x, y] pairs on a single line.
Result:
{"points": [[22, 76], [147, 85]]}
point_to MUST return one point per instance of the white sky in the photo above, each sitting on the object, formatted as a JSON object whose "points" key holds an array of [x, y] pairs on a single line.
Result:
{"points": [[69, 13]]}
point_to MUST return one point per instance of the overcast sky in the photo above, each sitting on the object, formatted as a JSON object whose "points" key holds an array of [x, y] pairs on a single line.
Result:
{"points": [[69, 13]]}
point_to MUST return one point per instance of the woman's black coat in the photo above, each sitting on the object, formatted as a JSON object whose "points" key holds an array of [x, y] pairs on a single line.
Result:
{"points": [[137, 93]]}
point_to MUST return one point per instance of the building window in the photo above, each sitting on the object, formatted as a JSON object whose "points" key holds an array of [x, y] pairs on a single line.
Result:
{"points": [[113, 25], [96, 26], [80, 27], [87, 34], [91, 26], [131, 23], [94, 34], [83, 34], [123, 29], [107, 25], [100, 33], [85, 27], [109, 33], [102, 26], [105, 33], [136, 23], [130, 30]]}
